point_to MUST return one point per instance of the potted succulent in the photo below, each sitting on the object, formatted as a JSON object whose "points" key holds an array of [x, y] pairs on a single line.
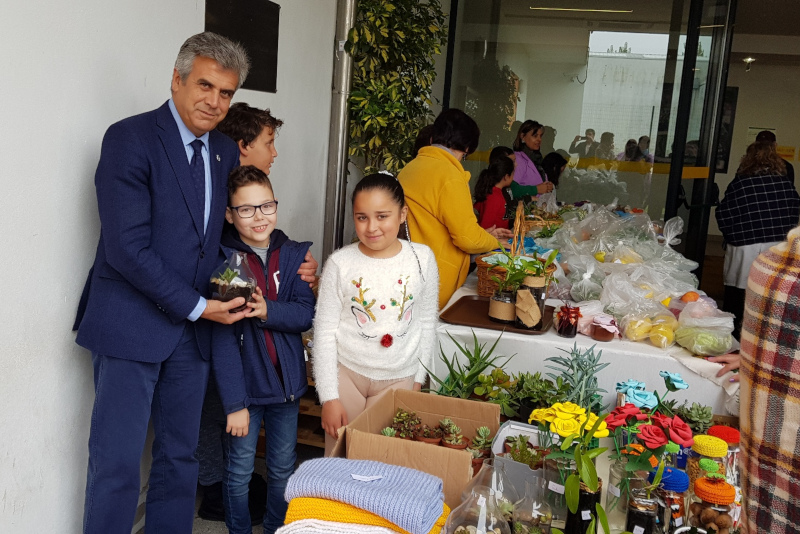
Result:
{"points": [[427, 434], [405, 418], [527, 455], [533, 392], [497, 387], [516, 442], [482, 441], [451, 435], [477, 460], [389, 432]]}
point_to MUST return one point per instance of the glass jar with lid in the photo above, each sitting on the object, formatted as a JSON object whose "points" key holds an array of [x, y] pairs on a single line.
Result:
{"points": [[730, 436], [705, 448], [711, 504], [672, 496]]}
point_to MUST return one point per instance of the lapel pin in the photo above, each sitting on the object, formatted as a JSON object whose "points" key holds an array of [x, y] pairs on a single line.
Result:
{"points": [[218, 158]]}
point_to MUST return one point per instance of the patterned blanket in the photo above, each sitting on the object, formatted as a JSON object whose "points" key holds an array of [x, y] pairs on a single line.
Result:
{"points": [[770, 391]]}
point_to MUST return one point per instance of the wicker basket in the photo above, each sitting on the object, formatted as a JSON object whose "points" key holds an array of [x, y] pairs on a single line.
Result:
{"points": [[487, 286], [535, 222]]}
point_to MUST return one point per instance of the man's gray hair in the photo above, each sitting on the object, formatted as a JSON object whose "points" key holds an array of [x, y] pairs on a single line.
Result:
{"points": [[229, 55]]}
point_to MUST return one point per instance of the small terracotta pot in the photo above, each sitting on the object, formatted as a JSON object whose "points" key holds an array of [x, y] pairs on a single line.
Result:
{"points": [[432, 441], [476, 465], [463, 445]]}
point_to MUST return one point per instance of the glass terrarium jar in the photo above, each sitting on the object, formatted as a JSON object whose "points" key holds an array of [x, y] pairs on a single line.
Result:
{"points": [[556, 471], [731, 436], [530, 302], [711, 507], [705, 448], [672, 496], [493, 476], [532, 514], [502, 308], [642, 512], [588, 500], [620, 482], [477, 513]]}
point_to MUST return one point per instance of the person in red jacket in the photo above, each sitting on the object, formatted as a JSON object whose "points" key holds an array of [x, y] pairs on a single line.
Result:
{"points": [[490, 195]]}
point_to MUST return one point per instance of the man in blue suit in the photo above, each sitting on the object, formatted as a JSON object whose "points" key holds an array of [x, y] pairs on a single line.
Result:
{"points": [[161, 191]]}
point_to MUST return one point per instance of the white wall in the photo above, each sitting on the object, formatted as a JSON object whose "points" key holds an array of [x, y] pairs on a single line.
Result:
{"points": [[71, 69]]}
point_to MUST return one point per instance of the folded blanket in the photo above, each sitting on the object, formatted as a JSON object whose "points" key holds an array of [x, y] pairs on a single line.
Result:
{"points": [[315, 526], [303, 508], [406, 497]]}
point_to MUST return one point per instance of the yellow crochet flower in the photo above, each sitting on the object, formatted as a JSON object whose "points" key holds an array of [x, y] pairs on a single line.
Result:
{"points": [[602, 428], [568, 410], [542, 415], [565, 427], [327, 510]]}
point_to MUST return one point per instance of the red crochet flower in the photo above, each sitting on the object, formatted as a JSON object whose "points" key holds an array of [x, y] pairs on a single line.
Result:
{"points": [[662, 420], [680, 433], [619, 416], [652, 437], [386, 341]]}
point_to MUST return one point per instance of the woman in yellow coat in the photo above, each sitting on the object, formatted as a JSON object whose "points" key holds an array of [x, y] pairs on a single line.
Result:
{"points": [[437, 192]]}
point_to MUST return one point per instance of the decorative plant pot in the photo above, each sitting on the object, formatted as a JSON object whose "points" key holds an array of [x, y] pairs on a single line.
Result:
{"points": [[476, 465], [432, 441], [578, 522], [501, 308], [530, 302]]}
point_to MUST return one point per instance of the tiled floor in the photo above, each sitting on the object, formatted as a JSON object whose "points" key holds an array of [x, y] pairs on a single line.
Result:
{"points": [[201, 526]]}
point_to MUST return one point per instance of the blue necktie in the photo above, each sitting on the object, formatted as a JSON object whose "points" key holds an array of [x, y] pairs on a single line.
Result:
{"points": [[197, 169]]}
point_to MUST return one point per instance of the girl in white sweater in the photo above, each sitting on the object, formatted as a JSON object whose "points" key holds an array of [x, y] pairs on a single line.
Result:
{"points": [[376, 310]]}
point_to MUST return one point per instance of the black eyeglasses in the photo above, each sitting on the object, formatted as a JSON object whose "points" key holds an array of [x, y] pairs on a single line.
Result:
{"points": [[246, 212]]}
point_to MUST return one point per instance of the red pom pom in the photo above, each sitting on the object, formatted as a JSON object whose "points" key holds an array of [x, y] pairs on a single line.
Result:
{"points": [[386, 341]]}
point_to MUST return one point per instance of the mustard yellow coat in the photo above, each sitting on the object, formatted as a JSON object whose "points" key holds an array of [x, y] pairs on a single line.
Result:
{"points": [[440, 215]]}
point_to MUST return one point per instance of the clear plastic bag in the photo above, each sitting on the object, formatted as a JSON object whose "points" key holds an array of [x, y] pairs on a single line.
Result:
{"points": [[232, 279], [672, 229], [586, 288], [547, 202], [703, 314], [589, 309], [706, 341]]}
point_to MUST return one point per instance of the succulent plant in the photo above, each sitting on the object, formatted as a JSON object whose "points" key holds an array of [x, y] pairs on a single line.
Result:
{"points": [[483, 438], [518, 442], [453, 439], [402, 416], [430, 432], [697, 416], [525, 455], [389, 431], [579, 372], [449, 427]]}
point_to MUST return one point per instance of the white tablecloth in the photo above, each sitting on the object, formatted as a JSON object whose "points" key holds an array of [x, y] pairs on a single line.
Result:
{"points": [[638, 360]]}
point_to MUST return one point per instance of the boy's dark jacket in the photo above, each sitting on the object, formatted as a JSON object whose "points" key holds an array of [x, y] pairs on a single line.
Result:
{"points": [[242, 367]]}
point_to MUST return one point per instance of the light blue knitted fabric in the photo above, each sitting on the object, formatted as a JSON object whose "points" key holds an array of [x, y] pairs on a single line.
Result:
{"points": [[410, 499]]}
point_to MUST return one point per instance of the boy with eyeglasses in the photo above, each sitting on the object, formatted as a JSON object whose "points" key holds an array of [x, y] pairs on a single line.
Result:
{"points": [[258, 363]]}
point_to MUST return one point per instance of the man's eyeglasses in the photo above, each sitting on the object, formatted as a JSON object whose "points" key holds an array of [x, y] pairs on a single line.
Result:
{"points": [[246, 212]]}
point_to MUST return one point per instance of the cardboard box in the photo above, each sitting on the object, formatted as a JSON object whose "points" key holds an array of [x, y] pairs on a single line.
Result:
{"points": [[362, 439]]}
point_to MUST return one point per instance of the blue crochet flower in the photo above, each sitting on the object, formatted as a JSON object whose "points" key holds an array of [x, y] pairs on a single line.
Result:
{"points": [[673, 381], [641, 399], [630, 385]]}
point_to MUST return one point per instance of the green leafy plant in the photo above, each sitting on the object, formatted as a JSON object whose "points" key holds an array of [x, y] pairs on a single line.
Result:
{"points": [[518, 442], [448, 427], [393, 44], [405, 417], [533, 458], [579, 372], [389, 432], [429, 432], [697, 416], [461, 379], [534, 391], [453, 439], [482, 439], [491, 385], [228, 276], [518, 268]]}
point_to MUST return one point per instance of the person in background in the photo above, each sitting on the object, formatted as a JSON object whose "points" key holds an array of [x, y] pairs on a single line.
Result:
{"points": [[769, 415], [440, 203], [376, 315], [632, 152], [553, 165], [490, 195], [644, 146], [584, 147], [759, 208], [254, 131], [527, 147], [766, 136], [515, 191], [605, 150]]}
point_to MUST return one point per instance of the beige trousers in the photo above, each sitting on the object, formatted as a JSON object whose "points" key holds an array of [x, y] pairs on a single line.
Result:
{"points": [[357, 393]]}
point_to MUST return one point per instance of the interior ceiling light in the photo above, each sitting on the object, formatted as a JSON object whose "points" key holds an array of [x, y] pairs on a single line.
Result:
{"points": [[572, 9], [748, 61]]}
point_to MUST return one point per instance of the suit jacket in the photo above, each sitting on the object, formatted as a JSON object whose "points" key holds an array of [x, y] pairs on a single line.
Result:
{"points": [[580, 149], [153, 260]]}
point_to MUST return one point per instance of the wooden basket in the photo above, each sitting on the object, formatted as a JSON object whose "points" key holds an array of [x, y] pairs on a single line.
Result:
{"points": [[487, 286], [536, 223]]}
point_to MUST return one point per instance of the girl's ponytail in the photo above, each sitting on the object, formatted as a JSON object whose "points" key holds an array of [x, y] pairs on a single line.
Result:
{"points": [[489, 177]]}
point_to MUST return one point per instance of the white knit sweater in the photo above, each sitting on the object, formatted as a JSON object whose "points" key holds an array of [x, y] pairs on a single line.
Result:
{"points": [[367, 303]]}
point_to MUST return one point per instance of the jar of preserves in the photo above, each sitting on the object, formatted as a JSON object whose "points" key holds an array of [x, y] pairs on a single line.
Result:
{"points": [[568, 321], [705, 448], [711, 505], [730, 436]]}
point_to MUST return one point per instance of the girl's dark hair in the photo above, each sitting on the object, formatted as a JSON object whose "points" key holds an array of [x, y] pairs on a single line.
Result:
{"points": [[423, 139], [489, 177], [498, 153], [246, 175], [552, 164], [384, 182], [456, 130], [527, 126]]}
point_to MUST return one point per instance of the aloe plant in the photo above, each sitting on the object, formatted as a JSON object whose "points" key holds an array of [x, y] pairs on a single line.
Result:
{"points": [[461, 379]]}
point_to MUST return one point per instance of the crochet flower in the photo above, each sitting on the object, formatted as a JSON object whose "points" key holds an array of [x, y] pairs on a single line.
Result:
{"points": [[620, 415], [542, 415], [565, 427], [568, 410], [661, 420], [636, 449], [673, 381], [602, 428], [642, 399], [680, 432], [387, 340], [652, 437], [629, 385]]}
